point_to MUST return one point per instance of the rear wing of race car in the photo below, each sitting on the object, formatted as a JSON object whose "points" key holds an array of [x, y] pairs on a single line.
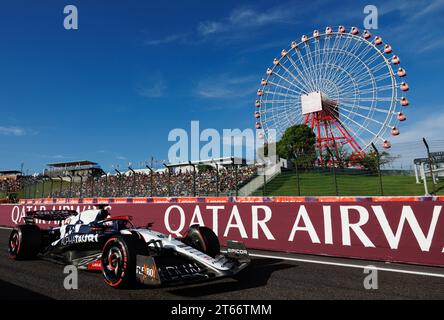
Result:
{"points": [[48, 215]]}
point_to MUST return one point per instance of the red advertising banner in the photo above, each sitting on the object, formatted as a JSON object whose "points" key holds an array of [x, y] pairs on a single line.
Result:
{"points": [[409, 231]]}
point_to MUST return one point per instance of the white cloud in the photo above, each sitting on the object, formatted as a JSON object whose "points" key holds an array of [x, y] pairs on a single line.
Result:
{"points": [[179, 37], [209, 27], [12, 131], [239, 23], [432, 44], [421, 29], [244, 19], [429, 127], [154, 89], [226, 86]]}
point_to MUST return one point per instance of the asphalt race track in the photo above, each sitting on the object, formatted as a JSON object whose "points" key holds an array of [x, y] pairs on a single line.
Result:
{"points": [[266, 278]]}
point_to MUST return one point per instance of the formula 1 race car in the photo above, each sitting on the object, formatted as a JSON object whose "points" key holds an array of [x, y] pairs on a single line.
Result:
{"points": [[126, 255]]}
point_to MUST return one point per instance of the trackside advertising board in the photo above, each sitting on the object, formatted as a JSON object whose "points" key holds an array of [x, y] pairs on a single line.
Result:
{"points": [[409, 231]]}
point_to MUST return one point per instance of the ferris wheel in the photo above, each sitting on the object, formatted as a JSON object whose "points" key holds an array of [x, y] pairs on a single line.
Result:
{"points": [[346, 85]]}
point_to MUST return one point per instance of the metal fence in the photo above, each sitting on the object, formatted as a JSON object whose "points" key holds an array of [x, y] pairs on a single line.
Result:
{"points": [[224, 181], [414, 168], [408, 168]]}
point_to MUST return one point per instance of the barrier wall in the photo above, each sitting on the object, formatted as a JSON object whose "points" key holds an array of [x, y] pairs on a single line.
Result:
{"points": [[397, 229]]}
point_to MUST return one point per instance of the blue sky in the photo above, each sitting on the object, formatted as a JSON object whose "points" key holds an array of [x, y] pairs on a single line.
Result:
{"points": [[113, 89]]}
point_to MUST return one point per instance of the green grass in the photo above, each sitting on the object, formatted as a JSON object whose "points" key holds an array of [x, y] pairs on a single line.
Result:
{"points": [[323, 184], [43, 187]]}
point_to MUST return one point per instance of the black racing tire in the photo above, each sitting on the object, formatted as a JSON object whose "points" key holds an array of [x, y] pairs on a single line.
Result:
{"points": [[203, 239], [25, 242], [119, 261]]}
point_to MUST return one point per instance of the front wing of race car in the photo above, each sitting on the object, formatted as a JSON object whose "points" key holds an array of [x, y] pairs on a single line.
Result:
{"points": [[191, 265]]}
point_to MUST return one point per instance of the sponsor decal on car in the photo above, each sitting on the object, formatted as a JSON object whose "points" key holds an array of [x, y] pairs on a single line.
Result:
{"points": [[80, 238], [147, 272], [237, 251], [177, 272]]}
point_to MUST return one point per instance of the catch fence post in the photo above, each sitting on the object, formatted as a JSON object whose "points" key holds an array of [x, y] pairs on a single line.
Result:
{"points": [[61, 185], [52, 184], [81, 185], [151, 179], [298, 183], [378, 163], [43, 188], [134, 181], [194, 178], [264, 186], [169, 180], [119, 190], [70, 186], [334, 171], [217, 179], [430, 165]]}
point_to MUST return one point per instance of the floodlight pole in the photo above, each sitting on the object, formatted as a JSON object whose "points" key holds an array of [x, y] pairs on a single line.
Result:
{"points": [[430, 165], [378, 163]]}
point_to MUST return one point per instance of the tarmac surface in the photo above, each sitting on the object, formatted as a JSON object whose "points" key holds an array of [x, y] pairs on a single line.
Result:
{"points": [[270, 276]]}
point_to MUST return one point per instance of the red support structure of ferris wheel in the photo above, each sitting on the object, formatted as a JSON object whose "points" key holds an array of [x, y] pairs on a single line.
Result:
{"points": [[322, 123]]}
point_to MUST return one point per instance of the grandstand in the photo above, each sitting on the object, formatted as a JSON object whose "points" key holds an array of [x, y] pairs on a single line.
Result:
{"points": [[83, 168], [9, 174]]}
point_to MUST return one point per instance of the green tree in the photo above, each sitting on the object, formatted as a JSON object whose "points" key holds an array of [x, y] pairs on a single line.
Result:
{"points": [[369, 160], [298, 145]]}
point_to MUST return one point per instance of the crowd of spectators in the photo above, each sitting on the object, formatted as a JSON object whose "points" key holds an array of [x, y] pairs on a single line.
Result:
{"points": [[177, 183], [8, 186]]}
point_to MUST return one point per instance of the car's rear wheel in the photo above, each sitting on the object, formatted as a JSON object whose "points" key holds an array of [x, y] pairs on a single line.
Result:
{"points": [[203, 239], [25, 242], [119, 261]]}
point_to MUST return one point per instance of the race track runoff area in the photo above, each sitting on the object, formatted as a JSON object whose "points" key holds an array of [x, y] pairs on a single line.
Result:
{"points": [[270, 276]]}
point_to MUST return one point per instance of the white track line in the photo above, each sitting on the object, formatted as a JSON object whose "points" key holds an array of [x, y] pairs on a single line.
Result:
{"points": [[5, 228], [348, 265]]}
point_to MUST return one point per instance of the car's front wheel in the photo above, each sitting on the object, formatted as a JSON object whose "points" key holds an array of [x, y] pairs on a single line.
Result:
{"points": [[203, 239], [119, 261]]}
